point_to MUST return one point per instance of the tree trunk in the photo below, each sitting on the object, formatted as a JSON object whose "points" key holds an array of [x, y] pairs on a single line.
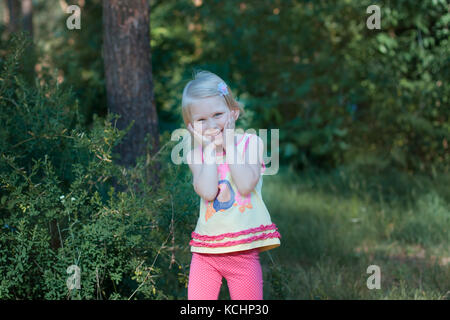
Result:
{"points": [[14, 9], [19, 17], [27, 16], [128, 73]]}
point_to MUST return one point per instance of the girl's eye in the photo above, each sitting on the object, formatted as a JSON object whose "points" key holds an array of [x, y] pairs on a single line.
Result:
{"points": [[215, 115]]}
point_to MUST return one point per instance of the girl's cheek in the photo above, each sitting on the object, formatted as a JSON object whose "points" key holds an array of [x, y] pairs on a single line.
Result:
{"points": [[199, 127], [223, 122]]}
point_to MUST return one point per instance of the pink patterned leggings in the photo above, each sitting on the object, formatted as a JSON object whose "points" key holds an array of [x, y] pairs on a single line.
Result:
{"points": [[241, 269]]}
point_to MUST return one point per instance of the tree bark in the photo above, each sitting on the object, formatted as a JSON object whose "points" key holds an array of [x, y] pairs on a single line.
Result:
{"points": [[14, 10], [27, 16], [128, 73]]}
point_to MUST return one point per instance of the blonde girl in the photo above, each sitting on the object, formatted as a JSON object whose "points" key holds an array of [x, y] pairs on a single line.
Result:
{"points": [[234, 224]]}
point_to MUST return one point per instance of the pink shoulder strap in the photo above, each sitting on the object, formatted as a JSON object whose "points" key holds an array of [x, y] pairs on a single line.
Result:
{"points": [[246, 142]]}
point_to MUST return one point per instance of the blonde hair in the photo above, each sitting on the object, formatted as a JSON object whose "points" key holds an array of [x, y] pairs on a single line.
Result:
{"points": [[204, 85]]}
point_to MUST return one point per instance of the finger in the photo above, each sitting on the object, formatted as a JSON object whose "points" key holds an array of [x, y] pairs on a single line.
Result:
{"points": [[195, 128], [232, 121], [198, 137], [192, 130], [189, 127]]}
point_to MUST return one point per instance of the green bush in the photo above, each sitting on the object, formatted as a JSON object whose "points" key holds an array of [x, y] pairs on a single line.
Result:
{"points": [[63, 202], [338, 92]]}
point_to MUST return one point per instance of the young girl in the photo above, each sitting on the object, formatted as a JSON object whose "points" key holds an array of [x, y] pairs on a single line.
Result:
{"points": [[234, 224]]}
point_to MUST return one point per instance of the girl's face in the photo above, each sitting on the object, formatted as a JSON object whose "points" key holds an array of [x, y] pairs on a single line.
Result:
{"points": [[209, 116]]}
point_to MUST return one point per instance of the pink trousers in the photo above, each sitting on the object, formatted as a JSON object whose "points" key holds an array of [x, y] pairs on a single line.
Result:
{"points": [[241, 269]]}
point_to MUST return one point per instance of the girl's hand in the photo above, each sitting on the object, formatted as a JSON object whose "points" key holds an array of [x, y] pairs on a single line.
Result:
{"points": [[201, 139], [206, 143], [228, 132]]}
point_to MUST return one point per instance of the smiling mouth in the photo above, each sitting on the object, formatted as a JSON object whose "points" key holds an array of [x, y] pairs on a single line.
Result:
{"points": [[216, 133]]}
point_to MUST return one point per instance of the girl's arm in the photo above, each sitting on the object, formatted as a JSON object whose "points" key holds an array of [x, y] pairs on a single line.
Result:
{"points": [[205, 175], [246, 173]]}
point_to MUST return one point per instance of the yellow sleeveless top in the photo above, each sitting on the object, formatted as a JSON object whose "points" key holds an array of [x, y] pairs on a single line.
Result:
{"points": [[232, 222]]}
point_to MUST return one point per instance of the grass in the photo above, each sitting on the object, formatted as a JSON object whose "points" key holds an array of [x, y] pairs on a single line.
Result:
{"points": [[334, 225]]}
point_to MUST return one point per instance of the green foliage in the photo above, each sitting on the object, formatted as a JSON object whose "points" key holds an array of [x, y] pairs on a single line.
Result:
{"points": [[335, 224], [75, 54], [373, 100], [64, 202], [339, 92]]}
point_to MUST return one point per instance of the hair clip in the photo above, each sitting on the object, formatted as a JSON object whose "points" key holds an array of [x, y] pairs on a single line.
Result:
{"points": [[222, 88]]}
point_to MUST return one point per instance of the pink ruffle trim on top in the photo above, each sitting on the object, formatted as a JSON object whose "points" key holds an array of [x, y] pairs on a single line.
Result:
{"points": [[234, 234], [262, 236]]}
